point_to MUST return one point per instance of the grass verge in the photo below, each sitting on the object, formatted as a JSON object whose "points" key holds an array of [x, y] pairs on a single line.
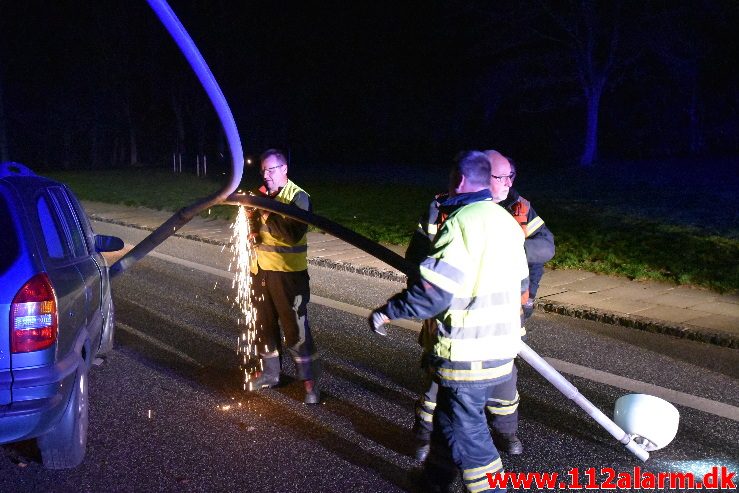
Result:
{"points": [[592, 233]]}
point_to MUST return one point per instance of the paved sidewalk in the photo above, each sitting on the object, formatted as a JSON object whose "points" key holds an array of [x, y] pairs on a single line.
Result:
{"points": [[676, 310]]}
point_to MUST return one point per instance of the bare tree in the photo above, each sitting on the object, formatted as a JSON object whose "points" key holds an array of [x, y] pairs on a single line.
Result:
{"points": [[547, 57], [590, 32]]}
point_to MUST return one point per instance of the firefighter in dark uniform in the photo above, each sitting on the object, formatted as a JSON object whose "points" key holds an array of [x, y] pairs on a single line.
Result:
{"points": [[280, 281], [471, 284], [502, 408]]}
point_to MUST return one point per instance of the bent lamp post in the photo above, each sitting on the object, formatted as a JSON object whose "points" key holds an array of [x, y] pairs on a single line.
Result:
{"points": [[636, 444], [184, 215]]}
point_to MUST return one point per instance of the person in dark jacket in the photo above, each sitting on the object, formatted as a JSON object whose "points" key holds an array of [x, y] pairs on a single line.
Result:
{"points": [[502, 407], [539, 239]]}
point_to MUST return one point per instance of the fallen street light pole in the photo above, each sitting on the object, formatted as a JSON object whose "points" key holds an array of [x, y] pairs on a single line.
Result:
{"points": [[396, 261], [184, 215], [570, 391]]}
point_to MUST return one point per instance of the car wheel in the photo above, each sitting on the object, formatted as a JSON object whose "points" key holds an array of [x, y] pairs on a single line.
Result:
{"points": [[64, 445]]}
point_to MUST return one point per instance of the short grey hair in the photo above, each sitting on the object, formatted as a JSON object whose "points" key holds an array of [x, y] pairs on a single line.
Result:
{"points": [[474, 166], [276, 153]]}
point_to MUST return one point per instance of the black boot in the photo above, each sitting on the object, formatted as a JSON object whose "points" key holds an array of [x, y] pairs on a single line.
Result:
{"points": [[421, 449], [270, 375], [509, 443]]}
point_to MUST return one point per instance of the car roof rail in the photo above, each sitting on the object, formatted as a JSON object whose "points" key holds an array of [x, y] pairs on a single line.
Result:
{"points": [[10, 168]]}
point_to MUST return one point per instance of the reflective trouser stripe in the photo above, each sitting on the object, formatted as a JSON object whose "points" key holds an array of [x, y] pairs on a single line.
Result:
{"points": [[503, 407], [305, 359], [425, 410], [477, 480]]}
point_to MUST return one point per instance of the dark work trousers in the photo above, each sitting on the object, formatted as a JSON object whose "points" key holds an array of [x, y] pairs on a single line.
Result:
{"points": [[425, 406], [461, 438], [501, 405], [536, 271], [281, 300]]}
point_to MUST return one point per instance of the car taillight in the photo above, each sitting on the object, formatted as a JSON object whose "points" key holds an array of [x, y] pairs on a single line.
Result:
{"points": [[33, 316]]}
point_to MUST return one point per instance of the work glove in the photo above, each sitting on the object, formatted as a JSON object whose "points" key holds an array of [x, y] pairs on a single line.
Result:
{"points": [[377, 320]]}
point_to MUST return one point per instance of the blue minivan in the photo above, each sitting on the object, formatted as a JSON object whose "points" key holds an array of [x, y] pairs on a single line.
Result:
{"points": [[56, 314]]}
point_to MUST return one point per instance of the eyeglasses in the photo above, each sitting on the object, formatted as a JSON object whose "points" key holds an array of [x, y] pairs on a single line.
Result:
{"points": [[502, 179], [272, 169]]}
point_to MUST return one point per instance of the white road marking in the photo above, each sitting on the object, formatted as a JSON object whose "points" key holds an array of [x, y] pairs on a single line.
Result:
{"points": [[701, 404], [636, 386], [153, 340]]}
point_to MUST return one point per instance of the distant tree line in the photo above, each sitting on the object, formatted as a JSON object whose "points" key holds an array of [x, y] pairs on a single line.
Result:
{"points": [[100, 84]]}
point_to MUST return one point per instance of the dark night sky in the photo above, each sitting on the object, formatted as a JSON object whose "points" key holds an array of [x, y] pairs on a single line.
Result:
{"points": [[365, 81]]}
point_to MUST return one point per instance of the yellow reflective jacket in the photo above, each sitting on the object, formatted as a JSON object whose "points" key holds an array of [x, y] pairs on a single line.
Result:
{"points": [[283, 242], [471, 284]]}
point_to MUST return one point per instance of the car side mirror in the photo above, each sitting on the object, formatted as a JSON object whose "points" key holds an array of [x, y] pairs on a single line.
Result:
{"points": [[105, 243]]}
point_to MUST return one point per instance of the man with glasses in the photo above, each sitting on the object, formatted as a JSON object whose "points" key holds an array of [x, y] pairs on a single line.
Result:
{"points": [[539, 245], [539, 239], [502, 407], [280, 280]]}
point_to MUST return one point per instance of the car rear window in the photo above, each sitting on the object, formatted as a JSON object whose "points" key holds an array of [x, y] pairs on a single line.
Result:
{"points": [[55, 247], [79, 248], [9, 248]]}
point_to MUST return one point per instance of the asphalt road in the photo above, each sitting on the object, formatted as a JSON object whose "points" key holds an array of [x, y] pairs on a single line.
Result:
{"points": [[168, 414]]}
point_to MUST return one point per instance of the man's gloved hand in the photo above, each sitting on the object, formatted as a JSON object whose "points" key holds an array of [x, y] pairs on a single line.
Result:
{"points": [[528, 309], [377, 320]]}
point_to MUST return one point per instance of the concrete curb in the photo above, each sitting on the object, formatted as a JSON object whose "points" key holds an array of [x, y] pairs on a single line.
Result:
{"points": [[683, 331], [146, 228], [365, 271]]}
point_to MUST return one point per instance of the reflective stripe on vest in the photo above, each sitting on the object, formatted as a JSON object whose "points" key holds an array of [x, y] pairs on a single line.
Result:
{"points": [[277, 255], [478, 256], [488, 348], [534, 225], [282, 249]]}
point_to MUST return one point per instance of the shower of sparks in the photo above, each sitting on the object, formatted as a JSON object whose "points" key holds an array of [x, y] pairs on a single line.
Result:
{"points": [[243, 255]]}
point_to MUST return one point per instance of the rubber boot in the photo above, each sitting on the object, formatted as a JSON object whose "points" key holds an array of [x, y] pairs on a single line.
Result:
{"points": [[269, 377], [509, 443], [312, 394], [421, 439], [421, 450]]}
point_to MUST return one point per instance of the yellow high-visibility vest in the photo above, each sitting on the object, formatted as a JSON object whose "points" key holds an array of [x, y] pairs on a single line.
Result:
{"points": [[276, 254], [478, 256]]}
